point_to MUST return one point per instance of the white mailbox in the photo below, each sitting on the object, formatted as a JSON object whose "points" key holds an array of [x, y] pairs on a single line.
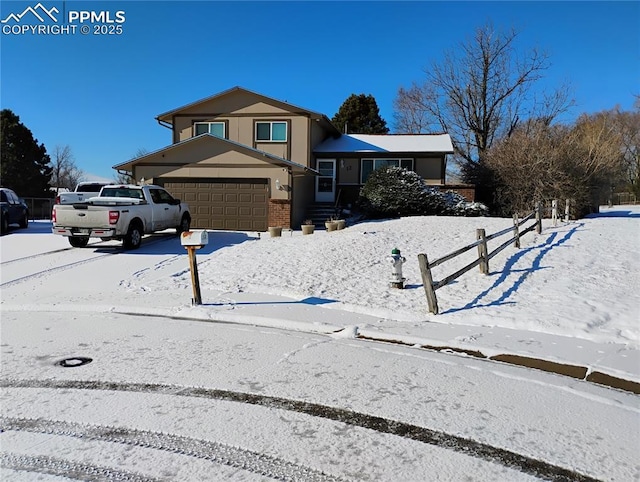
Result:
{"points": [[196, 239]]}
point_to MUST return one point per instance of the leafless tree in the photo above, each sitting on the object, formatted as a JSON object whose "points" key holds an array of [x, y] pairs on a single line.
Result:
{"points": [[479, 93], [539, 162], [629, 128], [66, 173]]}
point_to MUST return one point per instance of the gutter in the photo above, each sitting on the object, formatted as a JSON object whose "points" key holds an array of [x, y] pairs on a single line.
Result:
{"points": [[164, 124]]}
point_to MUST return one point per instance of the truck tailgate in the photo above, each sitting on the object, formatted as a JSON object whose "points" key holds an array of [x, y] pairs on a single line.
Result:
{"points": [[69, 215]]}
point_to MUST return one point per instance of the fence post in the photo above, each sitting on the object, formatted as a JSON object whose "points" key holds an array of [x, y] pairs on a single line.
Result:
{"points": [[539, 218], [516, 231], [566, 211], [427, 282], [554, 212], [483, 253]]}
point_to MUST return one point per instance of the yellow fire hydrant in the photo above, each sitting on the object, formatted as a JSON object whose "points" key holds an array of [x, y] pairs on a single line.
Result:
{"points": [[397, 280]]}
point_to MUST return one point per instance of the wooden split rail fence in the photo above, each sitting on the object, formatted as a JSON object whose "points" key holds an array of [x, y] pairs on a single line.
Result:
{"points": [[484, 255]]}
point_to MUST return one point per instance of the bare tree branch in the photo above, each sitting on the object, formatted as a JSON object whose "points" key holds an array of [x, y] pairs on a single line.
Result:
{"points": [[65, 172], [479, 93]]}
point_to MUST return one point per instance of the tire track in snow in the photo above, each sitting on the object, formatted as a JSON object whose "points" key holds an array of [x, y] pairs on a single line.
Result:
{"points": [[254, 462], [37, 255], [472, 448], [97, 244], [70, 470], [66, 266], [55, 269]]}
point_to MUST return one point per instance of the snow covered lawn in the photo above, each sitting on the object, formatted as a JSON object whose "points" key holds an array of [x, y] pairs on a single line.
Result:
{"points": [[287, 391]]}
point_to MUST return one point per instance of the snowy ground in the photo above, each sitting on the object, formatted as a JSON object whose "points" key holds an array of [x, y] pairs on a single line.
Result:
{"points": [[290, 390]]}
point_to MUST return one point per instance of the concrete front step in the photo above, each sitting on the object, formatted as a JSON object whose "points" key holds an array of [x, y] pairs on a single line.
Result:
{"points": [[319, 213]]}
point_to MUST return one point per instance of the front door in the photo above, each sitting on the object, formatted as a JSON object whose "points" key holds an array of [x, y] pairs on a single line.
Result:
{"points": [[326, 181]]}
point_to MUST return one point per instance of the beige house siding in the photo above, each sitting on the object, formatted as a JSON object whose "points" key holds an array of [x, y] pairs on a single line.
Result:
{"points": [[304, 194], [206, 159], [299, 140], [240, 124], [236, 103], [242, 131]]}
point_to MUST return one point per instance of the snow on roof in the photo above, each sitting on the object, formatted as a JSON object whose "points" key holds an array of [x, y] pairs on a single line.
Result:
{"points": [[388, 143]]}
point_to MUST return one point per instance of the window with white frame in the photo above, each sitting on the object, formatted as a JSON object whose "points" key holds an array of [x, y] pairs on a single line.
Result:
{"points": [[370, 165], [271, 131], [214, 128]]}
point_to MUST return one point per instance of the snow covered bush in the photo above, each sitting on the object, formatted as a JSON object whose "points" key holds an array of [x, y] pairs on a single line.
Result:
{"points": [[395, 191]]}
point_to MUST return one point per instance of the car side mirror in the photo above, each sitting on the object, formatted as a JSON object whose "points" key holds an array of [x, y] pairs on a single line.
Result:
{"points": [[175, 202]]}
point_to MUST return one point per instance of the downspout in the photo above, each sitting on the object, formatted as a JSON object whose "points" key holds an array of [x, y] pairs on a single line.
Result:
{"points": [[443, 181], [291, 196]]}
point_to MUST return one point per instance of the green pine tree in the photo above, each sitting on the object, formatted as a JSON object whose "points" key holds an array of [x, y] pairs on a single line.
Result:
{"points": [[24, 164], [359, 114]]}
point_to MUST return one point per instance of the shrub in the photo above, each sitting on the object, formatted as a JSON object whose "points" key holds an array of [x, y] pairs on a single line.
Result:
{"points": [[395, 191]]}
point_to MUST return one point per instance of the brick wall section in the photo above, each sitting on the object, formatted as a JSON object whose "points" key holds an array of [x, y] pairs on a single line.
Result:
{"points": [[467, 191], [280, 213]]}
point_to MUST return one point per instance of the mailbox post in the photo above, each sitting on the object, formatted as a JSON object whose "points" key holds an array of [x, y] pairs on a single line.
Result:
{"points": [[193, 240]]}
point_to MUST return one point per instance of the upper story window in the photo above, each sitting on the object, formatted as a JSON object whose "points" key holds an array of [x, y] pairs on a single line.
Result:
{"points": [[215, 128], [370, 165], [271, 131]]}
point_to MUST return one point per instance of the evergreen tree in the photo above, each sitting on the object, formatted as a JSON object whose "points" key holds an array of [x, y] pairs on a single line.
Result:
{"points": [[359, 114], [24, 164]]}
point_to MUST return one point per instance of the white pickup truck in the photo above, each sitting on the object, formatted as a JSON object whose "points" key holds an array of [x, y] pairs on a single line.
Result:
{"points": [[82, 192], [122, 212]]}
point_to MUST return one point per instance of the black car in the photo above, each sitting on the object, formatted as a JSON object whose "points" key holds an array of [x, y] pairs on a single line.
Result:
{"points": [[13, 210]]}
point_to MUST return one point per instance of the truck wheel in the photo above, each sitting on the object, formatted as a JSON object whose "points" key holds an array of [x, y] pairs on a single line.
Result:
{"points": [[185, 224], [5, 225], [24, 222], [133, 238], [78, 241]]}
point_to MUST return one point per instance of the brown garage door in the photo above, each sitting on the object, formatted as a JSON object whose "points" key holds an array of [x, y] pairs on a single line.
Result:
{"points": [[229, 204]]}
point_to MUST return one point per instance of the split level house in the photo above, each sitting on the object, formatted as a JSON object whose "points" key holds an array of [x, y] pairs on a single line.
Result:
{"points": [[244, 161]]}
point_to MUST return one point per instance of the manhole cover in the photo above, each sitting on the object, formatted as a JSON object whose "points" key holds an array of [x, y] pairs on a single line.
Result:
{"points": [[76, 361]]}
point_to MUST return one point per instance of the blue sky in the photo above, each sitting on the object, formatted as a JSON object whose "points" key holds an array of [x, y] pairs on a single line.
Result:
{"points": [[100, 94]]}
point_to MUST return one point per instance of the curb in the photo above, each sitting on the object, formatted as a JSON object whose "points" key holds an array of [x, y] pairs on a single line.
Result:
{"points": [[578, 372], [574, 371]]}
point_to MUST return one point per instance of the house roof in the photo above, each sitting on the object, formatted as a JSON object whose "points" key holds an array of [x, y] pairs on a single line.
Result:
{"points": [[440, 143], [206, 137], [167, 117]]}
